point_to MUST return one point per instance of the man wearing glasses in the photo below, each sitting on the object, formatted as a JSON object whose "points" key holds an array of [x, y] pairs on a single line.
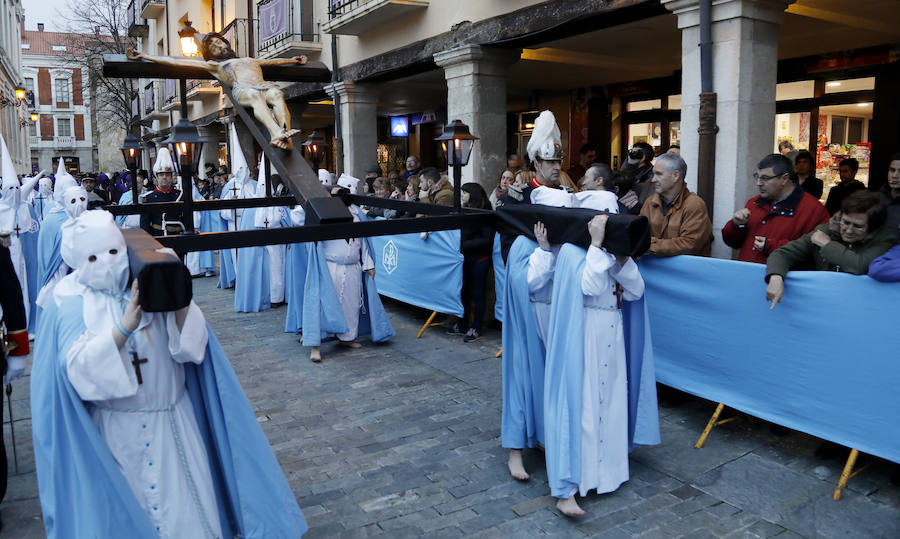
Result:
{"points": [[859, 238], [782, 212]]}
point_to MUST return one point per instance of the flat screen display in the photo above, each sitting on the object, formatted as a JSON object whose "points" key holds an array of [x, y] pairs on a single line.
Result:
{"points": [[400, 126]]}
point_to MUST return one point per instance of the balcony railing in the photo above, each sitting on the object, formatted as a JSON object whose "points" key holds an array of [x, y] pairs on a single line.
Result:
{"points": [[151, 9], [34, 140], [64, 141], [354, 17], [285, 28], [237, 32], [137, 26]]}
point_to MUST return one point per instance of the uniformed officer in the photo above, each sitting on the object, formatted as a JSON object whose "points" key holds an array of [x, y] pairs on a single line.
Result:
{"points": [[164, 179]]}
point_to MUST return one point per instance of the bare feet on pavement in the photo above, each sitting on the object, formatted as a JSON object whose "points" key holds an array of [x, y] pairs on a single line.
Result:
{"points": [[349, 344], [516, 467], [569, 507], [315, 354]]}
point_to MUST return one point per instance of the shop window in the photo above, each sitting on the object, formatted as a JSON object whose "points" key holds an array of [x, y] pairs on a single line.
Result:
{"points": [[786, 91], [849, 85], [649, 104], [838, 129]]}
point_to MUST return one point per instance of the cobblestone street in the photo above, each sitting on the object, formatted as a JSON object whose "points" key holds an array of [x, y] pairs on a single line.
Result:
{"points": [[403, 440]]}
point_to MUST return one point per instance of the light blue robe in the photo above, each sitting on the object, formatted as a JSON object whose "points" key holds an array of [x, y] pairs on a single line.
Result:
{"points": [[251, 289], [29, 241], [297, 260], [84, 494], [565, 371], [322, 312], [522, 423], [49, 240]]}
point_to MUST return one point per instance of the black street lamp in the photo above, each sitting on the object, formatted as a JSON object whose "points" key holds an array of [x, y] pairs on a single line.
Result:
{"points": [[457, 143], [131, 151], [315, 147], [185, 145]]}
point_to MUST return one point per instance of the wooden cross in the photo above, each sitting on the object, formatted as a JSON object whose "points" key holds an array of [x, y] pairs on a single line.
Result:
{"points": [[618, 294], [137, 366]]}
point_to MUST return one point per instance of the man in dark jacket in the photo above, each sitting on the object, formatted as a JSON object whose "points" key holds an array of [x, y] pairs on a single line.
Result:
{"points": [[890, 194], [861, 238], [848, 184], [782, 212], [805, 176]]}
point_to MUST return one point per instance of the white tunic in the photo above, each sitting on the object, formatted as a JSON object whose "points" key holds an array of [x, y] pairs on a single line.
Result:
{"points": [[604, 414], [541, 266], [150, 428], [347, 259]]}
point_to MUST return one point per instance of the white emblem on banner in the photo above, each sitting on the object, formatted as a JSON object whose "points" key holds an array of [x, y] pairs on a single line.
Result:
{"points": [[390, 257]]}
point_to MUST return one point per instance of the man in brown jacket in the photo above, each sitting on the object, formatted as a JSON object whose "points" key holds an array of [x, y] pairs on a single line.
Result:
{"points": [[440, 190], [679, 222]]}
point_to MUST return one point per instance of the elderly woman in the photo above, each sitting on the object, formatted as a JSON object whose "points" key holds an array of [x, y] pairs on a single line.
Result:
{"points": [[499, 192]]}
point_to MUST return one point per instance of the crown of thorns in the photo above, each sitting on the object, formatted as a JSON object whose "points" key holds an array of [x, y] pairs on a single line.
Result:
{"points": [[204, 43]]}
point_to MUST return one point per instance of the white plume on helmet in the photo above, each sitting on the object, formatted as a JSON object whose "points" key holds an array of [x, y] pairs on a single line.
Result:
{"points": [[545, 142], [163, 162]]}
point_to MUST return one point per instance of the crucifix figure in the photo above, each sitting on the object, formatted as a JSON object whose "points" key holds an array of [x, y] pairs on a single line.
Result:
{"points": [[137, 366], [244, 75]]}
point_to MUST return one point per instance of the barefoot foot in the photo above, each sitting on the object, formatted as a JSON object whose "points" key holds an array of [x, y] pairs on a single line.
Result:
{"points": [[315, 355], [569, 507], [349, 344], [516, 467]]}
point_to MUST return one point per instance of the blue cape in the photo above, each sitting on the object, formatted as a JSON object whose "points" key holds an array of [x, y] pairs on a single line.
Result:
{"points": [[322, 313], [296, 262], [565, 374], [29, 241], [522, 423], [82, 491], [49, 241], [251, 289], [499, 279], [125, 200]]}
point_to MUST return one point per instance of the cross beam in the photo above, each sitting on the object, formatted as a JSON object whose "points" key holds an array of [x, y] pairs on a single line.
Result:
{"points": [[278, 236], [120, 67]]}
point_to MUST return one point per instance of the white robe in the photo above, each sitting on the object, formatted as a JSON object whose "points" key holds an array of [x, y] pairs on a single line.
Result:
{"points": [[346, 262], [271, 218], [10, 218], [150, 428], [604, 414]]}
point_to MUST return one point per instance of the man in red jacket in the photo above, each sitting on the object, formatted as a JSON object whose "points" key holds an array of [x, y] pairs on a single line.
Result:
{"points": [[782, 212]]}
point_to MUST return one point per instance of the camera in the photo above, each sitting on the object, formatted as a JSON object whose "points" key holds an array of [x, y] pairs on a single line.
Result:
{"points": [[636, 153]]}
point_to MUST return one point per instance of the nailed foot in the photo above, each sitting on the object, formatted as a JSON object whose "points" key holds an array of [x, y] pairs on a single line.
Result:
{"points": [[516, 466], [569, 507]]}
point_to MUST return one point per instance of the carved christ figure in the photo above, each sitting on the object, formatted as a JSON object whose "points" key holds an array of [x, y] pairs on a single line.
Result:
{"points": [[244, 75]]}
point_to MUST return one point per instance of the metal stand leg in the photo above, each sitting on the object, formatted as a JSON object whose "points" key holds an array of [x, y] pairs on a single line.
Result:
{"points": [[713, 422], [428, 324], [847, 474], [499, 353]]}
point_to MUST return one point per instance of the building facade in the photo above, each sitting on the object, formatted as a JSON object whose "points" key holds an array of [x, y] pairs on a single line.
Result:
{"points": [[13, 112], [62, 101]]}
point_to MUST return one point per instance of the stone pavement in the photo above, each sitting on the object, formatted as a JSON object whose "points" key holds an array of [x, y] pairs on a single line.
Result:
{"points": [[402, 440]]}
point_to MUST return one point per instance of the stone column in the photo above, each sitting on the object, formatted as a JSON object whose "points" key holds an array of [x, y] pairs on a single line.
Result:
{"points": [[358, 125], [476, 94], [744, 64]]}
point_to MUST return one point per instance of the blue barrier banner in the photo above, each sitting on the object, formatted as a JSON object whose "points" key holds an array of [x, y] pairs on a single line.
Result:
{"points": [[825, 361], [499, 278], [425, 273]]}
